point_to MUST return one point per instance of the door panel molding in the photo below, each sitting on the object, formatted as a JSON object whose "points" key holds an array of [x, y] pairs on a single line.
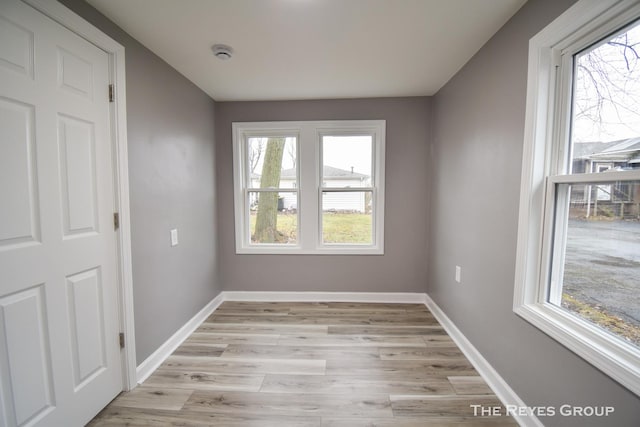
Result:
{"points": [[118, 122], [24, 343], [17, 131]]}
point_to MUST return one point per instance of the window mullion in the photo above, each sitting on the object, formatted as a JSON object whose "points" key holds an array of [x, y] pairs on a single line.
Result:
{"points": [[308, 205]]}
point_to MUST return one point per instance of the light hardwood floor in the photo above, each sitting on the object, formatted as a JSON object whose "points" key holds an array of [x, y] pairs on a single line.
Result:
{"points": [[311, 364]]}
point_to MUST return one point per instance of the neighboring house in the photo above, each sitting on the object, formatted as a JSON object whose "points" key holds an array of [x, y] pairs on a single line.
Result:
{"points": [[332, 201], [602, 156], [621, 200]]}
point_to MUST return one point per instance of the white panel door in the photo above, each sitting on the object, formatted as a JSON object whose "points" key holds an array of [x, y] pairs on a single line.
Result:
{"points": [[59, 352]]}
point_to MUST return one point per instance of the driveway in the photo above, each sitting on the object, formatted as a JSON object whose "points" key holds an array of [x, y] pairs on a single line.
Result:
{"points": [[602, 266]]}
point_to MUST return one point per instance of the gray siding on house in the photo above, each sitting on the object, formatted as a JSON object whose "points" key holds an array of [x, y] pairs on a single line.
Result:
{"points": [[478, 123], [402, 268], [344, 202], [172, 185]]}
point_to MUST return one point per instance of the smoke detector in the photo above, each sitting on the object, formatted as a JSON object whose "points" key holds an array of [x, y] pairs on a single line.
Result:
{"points": [[222, 51]]}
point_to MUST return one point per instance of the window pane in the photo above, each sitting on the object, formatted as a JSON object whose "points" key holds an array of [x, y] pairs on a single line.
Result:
{"points": [[606, 118], [346, 161], [347, 217], [272, 162], [601, 266], [273, 217]]}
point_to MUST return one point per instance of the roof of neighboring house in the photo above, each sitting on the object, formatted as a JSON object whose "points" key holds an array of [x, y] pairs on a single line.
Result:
{"points": [[328, 172], [584, 150], [622, 150]]}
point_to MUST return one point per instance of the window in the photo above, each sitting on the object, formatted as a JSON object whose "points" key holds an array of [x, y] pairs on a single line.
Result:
{"points": [[309, 187], [578, 259]]}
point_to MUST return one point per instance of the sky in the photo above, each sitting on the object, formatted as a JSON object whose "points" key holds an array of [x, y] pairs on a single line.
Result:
{"points": [[341, 152], [607, 90], [344, 152]]}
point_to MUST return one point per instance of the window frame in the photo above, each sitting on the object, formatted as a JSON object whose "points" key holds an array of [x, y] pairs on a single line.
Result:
{"points": [[545, 165], [246, 176], [309, 184], [323, 186]]}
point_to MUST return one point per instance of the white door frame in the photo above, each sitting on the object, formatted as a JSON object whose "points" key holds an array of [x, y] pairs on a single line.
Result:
{"points": [[118, 122]]}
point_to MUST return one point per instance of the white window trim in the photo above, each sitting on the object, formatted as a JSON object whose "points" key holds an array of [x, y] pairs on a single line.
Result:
{"points": [[547, 95], [309, 185]]}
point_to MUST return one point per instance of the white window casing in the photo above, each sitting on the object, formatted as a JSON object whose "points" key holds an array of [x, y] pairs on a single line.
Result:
{"points": [[544, 167], [309, 184]]}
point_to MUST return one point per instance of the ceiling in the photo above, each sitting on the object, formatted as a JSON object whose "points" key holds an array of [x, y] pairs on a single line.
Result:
{"points": [[313, 49]]}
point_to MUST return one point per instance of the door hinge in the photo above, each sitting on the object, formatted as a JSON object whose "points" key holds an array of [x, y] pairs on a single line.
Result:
{"points": [[111, 93], [121, 339], [116, 220]]}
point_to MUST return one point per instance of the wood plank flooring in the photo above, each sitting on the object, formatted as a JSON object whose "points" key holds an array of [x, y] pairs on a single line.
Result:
{"points": [[311, 364]]}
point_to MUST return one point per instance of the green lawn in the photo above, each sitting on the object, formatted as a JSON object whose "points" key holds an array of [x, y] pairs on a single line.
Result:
{"points": [[346, 228], [337, 227], [602, 318]]}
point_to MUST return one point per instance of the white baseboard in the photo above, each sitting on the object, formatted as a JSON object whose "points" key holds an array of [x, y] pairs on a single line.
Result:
{"points": [[151, 363], [381, 297], [499, 386]]}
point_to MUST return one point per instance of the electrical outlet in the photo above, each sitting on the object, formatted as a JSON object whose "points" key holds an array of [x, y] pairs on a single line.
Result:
{"points": [[174, 237], [458, 273]]}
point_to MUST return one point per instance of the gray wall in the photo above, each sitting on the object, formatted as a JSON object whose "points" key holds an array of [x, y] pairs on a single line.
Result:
{"points": [[470, 216], [170, 125], [402, 268], [478, 128]]}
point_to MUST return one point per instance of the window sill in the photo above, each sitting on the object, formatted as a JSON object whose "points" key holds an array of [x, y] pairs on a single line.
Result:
{"points": [[619, 360], [296, 250]]}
